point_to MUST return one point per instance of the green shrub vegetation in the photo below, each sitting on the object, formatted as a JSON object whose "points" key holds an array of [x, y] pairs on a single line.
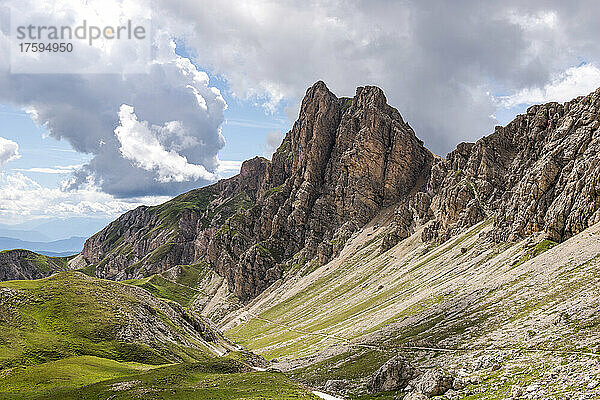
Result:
{"points": [[536, 250], [193, 275], [273, 190], [347, 103], [159, 253], [286, 147]]}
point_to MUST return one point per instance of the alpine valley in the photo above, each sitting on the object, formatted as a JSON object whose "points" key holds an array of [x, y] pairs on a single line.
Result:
{"points": [[355, 264]]}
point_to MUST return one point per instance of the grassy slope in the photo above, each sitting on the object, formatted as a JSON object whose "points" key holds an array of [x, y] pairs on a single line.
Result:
{"points": [[168, 215], [467, 293], [208, 205], [350, 298], [165, 289], [200, 201], [93, 378], [196, 287], [68, 372], [57, 341], [189, 282], [67, 315]]}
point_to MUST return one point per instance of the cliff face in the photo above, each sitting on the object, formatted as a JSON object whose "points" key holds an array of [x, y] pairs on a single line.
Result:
{"points": [[343, 162], [540, 173]]}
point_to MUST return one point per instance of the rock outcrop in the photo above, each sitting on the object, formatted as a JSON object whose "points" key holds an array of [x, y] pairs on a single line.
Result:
{"points": [[25, 264], [395, 374], [540, 173], [344, 161]]}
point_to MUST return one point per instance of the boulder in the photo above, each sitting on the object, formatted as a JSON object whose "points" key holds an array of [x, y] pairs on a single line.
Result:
{"points": [[395, 374], [432, 383]]}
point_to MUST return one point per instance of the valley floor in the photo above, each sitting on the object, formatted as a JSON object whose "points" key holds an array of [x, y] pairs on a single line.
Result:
{"points": [[97, 378]]}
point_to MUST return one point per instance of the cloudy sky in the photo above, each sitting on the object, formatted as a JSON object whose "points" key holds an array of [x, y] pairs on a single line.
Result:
{"points": [[222, 83]]}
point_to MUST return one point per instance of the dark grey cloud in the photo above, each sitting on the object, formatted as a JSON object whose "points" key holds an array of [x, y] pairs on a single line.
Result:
{"points": [[84, 111], [446, 65], [439, 62]]}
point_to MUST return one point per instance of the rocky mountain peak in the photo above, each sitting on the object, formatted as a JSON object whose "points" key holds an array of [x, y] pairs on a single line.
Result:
{"points": [[356, 133], [343, 162], [313, 134], [252, 172], [370, 96]]}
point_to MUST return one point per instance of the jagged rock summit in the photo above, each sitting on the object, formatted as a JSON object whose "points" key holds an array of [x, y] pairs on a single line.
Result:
{"points": [[344, 161], [347, 161], [540, 173]]}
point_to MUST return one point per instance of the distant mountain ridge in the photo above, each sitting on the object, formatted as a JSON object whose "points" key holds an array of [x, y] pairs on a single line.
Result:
{"points": [[61, 248], [52, 229], [23, 234]]}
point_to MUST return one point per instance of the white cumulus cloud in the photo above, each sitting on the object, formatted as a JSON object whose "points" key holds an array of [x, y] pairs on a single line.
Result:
{"points": [[228, 167], [575, 81], [9, 150], [24, 198], [435, 65], [83, 109], [140, 143]]}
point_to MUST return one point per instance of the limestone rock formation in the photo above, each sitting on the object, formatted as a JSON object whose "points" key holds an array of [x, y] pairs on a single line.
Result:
{"points": [[345, 161], [540, 173]]}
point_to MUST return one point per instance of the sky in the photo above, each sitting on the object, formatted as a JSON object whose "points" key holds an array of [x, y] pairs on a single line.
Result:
{"points": [[105, 128]]}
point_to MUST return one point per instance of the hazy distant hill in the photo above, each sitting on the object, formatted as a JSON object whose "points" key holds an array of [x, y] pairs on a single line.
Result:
{"points": [[23, 234], [62, 247], [46, 230]]}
